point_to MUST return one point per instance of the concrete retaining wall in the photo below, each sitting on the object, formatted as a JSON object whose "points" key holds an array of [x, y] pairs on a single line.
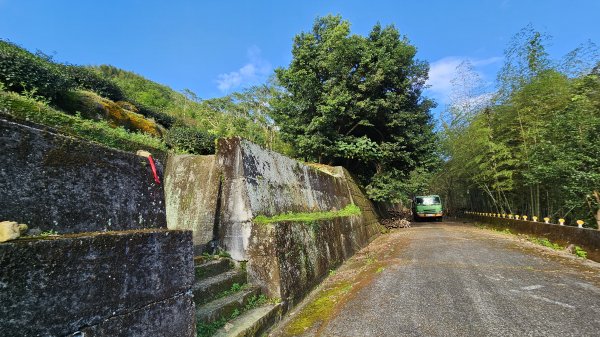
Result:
{"points": [[54, 182], [222, 195], [192, 193], [257, 181], [133, 283], [287, 259], [588, 239]]}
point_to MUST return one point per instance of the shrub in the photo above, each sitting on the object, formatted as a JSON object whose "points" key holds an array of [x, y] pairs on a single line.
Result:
{"points": [[82, 102], [580, 252], [87, 79], [162, 118], [22, 71], [190, 140]]}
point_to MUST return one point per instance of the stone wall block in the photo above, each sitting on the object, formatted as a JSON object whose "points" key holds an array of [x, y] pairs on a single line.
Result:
{"points": [[55, 286], [192, 191], [54, 182]]}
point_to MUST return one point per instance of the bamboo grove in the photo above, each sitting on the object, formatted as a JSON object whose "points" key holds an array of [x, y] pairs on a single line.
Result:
{"points": [[533, 145]]}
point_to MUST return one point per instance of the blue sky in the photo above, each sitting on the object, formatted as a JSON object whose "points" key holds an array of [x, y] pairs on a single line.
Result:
{"points": [[217, 47]]}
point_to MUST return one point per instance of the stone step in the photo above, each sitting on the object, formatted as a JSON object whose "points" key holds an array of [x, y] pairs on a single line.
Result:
{"points": [[225, 306], [252, 323], [212, 267], [209, 288], [199, 259]]}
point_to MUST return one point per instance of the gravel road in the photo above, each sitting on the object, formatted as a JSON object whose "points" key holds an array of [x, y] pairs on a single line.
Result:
{"points": [[453, 279]]}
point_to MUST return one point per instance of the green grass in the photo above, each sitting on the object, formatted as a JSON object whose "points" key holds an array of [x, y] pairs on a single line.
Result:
{"points": [[206, 330], [505, 231], [209, 329], [255, 302], [29, 109], [217, 255], [546, 243], [580, 252], [309, 217], [49, 233], [234, 289], [501, 231]]}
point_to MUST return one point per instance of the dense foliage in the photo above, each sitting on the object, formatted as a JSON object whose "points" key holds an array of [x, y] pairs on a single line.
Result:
{"points": [[87, 79], [22, 71], [183, 138], [357, 101], [28, 109], [534, 148], [244, 114]]}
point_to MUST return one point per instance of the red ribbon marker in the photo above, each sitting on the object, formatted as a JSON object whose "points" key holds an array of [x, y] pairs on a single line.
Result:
{"points": [[151, 161], [147, 154]]}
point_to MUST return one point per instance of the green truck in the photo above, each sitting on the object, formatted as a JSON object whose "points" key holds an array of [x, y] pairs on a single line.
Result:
{"points": [[427, 207]]}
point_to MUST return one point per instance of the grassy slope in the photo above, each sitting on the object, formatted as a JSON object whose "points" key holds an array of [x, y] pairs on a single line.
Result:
{"points": [[28, 109], [221, 117], [187, 109], [57, 95]]}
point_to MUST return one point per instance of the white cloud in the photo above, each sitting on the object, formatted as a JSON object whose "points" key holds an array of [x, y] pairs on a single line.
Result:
{"points": [[257, 69], [485, 62], [443, 71]]}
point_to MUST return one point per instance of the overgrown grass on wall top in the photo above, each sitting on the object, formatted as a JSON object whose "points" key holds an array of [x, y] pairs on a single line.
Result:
{"points": [[349, 210]]}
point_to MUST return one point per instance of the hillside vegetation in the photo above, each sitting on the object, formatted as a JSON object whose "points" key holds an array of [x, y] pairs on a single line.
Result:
{"points": [[533, 146], [124, 110]]}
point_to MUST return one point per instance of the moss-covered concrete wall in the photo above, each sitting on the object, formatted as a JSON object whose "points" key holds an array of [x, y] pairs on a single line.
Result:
{"points": [[257, 181], [222, 195], [191, 193], [128, 283], [54, 182], [287, 259]]}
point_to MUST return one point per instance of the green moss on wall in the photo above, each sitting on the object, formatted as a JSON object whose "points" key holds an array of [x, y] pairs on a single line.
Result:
{"points": [[309, 217]]}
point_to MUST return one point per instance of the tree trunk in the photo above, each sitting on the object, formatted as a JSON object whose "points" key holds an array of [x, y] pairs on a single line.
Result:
{"points": [[597, 216]]}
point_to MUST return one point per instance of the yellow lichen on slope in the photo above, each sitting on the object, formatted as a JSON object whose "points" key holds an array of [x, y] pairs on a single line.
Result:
{"points": [[124, 114]]}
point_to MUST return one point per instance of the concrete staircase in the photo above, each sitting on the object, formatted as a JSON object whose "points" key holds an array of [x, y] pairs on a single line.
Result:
{"points": [[226, 305]]}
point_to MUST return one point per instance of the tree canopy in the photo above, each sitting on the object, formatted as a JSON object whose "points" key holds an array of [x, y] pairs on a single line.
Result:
{"points": [[533, 148], [357, 101]]}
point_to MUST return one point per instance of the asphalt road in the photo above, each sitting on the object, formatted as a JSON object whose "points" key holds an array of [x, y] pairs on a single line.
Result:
{"points": [[452, 279]]}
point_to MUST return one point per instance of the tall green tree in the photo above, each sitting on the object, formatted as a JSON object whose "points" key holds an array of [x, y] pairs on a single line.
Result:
{"points": [[357, 101]]}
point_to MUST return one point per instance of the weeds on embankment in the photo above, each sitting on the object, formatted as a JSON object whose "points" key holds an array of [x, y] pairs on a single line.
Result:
{"points": [[576, 250]]}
